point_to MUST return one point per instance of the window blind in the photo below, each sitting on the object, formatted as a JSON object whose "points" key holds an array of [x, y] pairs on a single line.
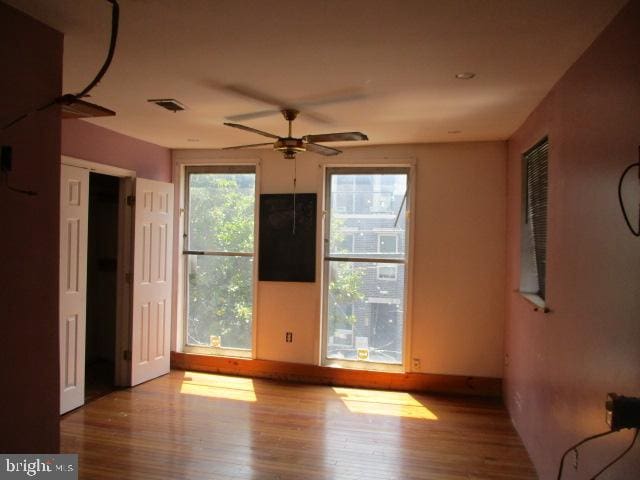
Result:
{"points": [[536, 161]]}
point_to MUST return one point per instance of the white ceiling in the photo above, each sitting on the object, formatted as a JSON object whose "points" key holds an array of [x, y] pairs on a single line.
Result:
{"points": [[397, 59]]}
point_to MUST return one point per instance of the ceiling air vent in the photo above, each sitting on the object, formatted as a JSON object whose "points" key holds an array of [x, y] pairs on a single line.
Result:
{"points": [[169, 103]]}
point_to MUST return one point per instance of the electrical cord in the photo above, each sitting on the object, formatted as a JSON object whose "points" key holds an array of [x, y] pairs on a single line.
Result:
{"points": [[573, 448], [70, 97], [633, 441], [622, 207], [115, 17]]}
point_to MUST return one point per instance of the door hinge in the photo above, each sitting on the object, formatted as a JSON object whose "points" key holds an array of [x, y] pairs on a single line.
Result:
{"points": [[126, 355], [131, 200]]}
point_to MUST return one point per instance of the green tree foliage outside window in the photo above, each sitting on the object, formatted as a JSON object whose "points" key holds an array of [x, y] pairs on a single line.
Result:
{"points": [[221, 219], [345, 282]]}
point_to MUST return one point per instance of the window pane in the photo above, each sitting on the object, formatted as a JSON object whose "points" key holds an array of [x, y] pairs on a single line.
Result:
{"points": [[369, 207], [220, 301], [533, 234], [364, 318], [221, 211], [365, 314]]}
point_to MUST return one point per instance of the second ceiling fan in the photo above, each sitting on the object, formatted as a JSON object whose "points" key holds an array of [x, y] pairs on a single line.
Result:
{"points": [[290, 145]]}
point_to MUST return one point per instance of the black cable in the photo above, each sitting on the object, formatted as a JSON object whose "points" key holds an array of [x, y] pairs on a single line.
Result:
{"points": [[624, 210], [69, 97], [574, 447], [115, 16], [635, 437]]}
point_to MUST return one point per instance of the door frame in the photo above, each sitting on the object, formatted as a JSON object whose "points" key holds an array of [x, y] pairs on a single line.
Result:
{"points": [[124, 265]]}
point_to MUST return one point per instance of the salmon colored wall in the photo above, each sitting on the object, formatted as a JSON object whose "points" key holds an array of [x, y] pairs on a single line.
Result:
{"points": [[459, 262], [87, 141], [561, 365], [31, 59]]}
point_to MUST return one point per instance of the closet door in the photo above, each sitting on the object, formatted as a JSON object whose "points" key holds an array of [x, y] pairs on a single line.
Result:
{"points": [[74, 209], [151, 316]]}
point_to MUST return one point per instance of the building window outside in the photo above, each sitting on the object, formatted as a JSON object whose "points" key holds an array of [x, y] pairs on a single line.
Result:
{"points": [[387, 243], [533, 258], [365, 265], [219, 255], [387, 272]]}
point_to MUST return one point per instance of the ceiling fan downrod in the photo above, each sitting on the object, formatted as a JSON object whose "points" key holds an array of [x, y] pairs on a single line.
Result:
{"points": [[289, 146]]}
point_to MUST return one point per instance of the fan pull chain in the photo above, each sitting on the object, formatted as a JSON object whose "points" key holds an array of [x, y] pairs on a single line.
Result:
{"points": [[295, 174]]}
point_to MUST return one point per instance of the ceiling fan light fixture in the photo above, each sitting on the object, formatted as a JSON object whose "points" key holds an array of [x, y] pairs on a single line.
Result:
{"points": [[289, 144]]}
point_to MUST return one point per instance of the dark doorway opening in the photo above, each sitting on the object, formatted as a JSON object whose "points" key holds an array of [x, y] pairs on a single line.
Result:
{"points": [[102, 284]]}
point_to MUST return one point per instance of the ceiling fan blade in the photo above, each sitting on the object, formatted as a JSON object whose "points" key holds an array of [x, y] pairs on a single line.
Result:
{"points": [[316, 117], [335, 137], [321, 149], [339, 96], [252, 115], [280, 103], [262, 97], [249, 129], [248, 146]]}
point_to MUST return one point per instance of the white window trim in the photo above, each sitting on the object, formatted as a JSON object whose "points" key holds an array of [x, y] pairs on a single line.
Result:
{"points": [[410, 164], [178, 343]]}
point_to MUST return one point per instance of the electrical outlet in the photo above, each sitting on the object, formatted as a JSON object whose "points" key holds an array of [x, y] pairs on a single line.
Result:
{"points": [[288, 337], [416, 364], [622, 412]]}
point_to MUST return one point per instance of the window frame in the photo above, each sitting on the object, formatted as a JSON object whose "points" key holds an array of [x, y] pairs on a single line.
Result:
{"points": [[531, 287], [326, 257], [187, 253]]}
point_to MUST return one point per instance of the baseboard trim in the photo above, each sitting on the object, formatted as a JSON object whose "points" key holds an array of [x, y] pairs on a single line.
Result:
{"points": [[297, 372]]}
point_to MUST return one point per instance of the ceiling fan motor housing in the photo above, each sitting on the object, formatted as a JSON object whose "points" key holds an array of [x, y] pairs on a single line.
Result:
{"points": [[289, 146]]}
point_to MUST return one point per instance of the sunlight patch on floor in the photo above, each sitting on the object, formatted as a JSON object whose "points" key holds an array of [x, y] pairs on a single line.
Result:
{"points": [[376, 402], [218, 386]]}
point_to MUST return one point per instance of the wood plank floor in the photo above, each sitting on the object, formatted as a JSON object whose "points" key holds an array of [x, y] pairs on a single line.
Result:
{"points": [[189, 425]]}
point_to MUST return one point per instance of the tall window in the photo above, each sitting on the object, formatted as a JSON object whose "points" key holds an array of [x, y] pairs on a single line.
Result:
{"points": [[364, 266], [533, 259], [219, 257]]}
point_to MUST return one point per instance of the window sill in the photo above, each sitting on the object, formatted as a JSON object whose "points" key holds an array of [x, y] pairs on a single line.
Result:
{"points": [[218, 351], [363, 365], [535, 300]]}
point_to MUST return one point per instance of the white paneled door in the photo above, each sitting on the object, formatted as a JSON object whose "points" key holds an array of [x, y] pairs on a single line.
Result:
{"points": [[151, 316], [74, 209]]}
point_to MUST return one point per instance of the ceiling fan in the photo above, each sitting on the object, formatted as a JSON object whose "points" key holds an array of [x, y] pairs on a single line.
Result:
{"points": [[290, 145]]}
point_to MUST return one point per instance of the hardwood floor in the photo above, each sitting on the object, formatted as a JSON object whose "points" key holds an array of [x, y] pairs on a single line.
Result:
{"points": [[189, 425]]}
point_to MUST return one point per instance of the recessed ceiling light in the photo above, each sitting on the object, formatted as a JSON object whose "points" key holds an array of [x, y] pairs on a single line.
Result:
{"points": [[454, 131], [465, 75]]}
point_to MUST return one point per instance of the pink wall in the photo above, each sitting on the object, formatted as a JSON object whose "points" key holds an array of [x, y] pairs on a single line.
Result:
{"points": [[561, 365], [31, 58], [91, 142]]}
